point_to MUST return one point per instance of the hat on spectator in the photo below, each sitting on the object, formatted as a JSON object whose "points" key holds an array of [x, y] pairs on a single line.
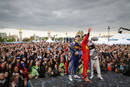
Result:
{"points": [[22, 56], [17, 57]]}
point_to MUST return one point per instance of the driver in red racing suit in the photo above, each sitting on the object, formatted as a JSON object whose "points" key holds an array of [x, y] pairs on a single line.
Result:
{"points": [[86, 55]]}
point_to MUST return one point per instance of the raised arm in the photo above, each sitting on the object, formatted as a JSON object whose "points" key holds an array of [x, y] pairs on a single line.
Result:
{"points": [[87, 36]]}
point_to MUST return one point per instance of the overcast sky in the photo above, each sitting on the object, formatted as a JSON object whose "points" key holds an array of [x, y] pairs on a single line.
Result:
{"points": [[64, 15]]}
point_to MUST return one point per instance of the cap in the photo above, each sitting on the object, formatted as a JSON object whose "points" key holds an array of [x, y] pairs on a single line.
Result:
{"points": [[17, 57], [22, 56]]}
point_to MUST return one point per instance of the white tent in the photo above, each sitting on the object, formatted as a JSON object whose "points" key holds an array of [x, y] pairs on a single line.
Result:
{"points": [[123, 41], [49, 40], [111, 42], [120, 39], [35, 41], [101, 41], [117, 39], [121, 36]]}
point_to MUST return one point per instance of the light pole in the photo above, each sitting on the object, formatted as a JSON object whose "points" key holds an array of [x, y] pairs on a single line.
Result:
{"points": [[108, 32], [55, 37], [66, 37]]}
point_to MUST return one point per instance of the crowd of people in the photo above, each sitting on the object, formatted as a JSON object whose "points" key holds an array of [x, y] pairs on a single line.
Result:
{"points": [[24, 61], [114, 58]]}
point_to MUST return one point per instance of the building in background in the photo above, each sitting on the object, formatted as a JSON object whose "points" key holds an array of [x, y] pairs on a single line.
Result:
{"points": [[3, 35], [20, 34]]}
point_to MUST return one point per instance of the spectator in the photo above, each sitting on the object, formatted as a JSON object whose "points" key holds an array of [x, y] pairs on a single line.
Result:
{"points": [[23, 61]]}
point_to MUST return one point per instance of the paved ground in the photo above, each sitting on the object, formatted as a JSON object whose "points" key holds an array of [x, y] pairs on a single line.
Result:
{"points": [[111, 79]]}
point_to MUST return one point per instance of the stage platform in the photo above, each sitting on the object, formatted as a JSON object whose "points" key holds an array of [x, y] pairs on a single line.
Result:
{"points": [[111, 79]]}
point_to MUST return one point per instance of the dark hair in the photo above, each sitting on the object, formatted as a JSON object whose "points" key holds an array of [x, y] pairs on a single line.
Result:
{"points": [[83, 35], [77, 36]]}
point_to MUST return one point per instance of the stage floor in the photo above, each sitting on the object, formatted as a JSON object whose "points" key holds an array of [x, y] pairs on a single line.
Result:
{"points": [[111, 79]]}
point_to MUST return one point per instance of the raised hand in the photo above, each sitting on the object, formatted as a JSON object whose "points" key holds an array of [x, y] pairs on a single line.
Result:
{"points": [[89, 29]]}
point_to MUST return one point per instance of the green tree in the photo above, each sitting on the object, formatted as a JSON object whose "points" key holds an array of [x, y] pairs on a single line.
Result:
{"points": [[52, 38], [26, 40], [1, 39], [31, 38], [59, 38], [10, 39], [46, 38]]}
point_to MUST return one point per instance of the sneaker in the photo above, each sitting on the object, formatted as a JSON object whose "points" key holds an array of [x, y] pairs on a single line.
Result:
{"points": [[70, 78], [76, 76], [86, 79], [91, 77], [100, 77]]}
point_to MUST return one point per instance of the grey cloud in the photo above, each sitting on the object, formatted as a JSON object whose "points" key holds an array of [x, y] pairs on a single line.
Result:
{"points": [[64, 14]]}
